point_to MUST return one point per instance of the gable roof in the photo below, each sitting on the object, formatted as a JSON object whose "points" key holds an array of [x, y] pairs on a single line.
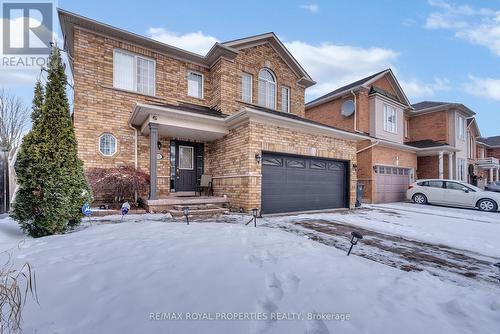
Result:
{"points": [[279, 47], [360, 84], [471, 122], [490, 141], [229, 50], [430, 106]]}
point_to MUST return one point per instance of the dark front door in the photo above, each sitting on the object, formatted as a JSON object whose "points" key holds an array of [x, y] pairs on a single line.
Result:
{"points": [[299, 183], [185, 164]]}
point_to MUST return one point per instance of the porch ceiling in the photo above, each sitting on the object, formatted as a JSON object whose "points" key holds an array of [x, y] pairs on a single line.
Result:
{"points": [[178, 124]]}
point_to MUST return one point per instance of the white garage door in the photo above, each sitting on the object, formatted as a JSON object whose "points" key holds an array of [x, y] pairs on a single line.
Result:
{"points": [[391, 184]]}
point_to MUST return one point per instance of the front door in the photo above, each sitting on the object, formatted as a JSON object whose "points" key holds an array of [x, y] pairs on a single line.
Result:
{"points": [[185, 164]]}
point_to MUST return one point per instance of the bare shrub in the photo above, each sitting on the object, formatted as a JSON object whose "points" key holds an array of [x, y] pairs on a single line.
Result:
{"points": [[15, 286], [117, 184]]}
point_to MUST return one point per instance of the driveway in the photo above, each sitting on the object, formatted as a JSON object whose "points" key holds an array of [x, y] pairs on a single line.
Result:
{"points": [[450, 243]]}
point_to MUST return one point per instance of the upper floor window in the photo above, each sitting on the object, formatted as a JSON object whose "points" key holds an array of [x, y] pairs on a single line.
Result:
{"points": [[461, 127], [390, 119], [246, 87], [285, 99], [133, 72], [107, 144], [195, 84], [267, 89]]}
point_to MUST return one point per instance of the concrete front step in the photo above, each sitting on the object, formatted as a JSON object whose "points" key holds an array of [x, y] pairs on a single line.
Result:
{"points": [[208, 212], [168, 203]]}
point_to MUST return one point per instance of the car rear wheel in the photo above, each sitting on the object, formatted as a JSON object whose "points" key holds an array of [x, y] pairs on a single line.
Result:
{"points": [[419, 198], [487, 205]]}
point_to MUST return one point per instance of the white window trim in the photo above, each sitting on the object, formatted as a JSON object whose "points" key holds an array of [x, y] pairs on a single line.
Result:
{"points": [[202, 84], [251, 86], [288, 100], [192, 157], [267, 89], [407, 128], [461, 127], [386, 127], [99, 144], [135, 90]]}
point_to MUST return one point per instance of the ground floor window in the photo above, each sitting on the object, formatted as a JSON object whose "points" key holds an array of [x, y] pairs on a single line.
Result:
{"points": [[107, 144], [461, 169]]}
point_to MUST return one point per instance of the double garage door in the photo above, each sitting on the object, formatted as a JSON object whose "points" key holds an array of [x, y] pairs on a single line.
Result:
{"points": [[391, 184], [300, 183]]}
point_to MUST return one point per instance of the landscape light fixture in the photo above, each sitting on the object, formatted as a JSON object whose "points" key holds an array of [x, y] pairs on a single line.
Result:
{"points": [[185, 211], [255, 213], [498, 266], [354, 240]]}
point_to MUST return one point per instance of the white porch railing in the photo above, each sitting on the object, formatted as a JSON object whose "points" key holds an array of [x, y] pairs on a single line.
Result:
{"points": [[489, 162]]}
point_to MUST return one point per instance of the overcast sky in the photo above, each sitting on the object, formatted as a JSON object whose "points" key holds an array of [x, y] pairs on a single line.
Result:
{"points": [[439, 50]]}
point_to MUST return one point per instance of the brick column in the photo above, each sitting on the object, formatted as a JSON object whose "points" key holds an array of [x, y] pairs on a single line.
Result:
{"points": [[440, 166], [153, 142]]}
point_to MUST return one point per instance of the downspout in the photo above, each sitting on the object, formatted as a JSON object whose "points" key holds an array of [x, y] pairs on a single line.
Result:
{"points": [[135, 144], [355, 112], [136, 195]]}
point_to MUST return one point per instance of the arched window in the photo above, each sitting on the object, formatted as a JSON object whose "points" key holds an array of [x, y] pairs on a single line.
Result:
{"points": [[107, 144], [267, 89]]}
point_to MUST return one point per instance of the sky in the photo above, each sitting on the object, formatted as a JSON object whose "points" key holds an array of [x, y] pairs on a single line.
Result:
{"points": [[439, 50]]}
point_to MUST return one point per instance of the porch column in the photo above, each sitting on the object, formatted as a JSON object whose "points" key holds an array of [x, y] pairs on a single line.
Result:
{"points": [[153, 142], [450, 166], [498, 170], [440, 166], [491, 175]]}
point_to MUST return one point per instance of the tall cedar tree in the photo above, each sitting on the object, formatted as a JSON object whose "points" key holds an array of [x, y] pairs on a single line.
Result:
{"points": [[52, 183]]}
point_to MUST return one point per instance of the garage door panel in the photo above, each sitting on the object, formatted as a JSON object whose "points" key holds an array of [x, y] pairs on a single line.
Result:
{"points": [[391, 184], [302, 183]]}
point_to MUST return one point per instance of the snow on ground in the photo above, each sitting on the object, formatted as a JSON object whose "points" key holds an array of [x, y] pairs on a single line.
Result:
{"points": [[109, 278], [458, 228]]}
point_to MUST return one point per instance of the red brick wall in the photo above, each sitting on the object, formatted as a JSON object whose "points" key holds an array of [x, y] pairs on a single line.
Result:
{"points": [[432, 126]]}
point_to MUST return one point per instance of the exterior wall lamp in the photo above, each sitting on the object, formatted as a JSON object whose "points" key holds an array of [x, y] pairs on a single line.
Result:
{"points": [[258, 157]]}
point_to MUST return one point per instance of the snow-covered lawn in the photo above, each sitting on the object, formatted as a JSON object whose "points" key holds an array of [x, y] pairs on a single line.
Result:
{"points": [[111, 278]]}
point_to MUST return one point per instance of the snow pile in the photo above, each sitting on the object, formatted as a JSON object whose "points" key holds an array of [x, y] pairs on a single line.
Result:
{"points": [[134, 277]]}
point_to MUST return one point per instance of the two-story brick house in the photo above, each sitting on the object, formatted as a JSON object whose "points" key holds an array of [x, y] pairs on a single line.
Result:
{"points": [[488, 159], [236, 113], [377, 107]]}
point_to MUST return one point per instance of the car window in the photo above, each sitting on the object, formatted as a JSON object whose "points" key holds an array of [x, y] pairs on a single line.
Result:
{"points": [[455, 186], [434, 184], [497, 183]]}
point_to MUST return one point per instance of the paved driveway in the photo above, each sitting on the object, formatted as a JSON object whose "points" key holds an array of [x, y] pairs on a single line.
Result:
{"points": [[451, 243]]}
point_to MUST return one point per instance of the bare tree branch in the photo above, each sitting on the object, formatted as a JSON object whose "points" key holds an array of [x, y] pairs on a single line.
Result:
{"points": [[14, 119]]}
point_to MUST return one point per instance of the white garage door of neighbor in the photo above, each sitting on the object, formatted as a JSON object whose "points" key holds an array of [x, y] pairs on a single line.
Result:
{"points": [[391, 184]]}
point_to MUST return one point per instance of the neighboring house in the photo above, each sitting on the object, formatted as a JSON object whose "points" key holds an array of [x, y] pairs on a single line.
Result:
{"points": [[377, 107], [445, 124], [236, 113], [488, 156]]}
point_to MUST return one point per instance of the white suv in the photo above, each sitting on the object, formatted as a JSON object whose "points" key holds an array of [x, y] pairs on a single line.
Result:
{"points": [[452, 193]]}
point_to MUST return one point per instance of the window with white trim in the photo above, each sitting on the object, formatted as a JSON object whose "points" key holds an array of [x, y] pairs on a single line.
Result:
{"points": [[407, 128], [246, 87], [195, 84], [390, 119], [461, 127], [285, 99], [133, 72], [107, 144], [267, 89], [461, 169]]}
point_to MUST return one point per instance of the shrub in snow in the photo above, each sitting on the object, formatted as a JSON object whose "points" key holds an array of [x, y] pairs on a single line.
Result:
{"points": [[52, 183], [117, 184]]}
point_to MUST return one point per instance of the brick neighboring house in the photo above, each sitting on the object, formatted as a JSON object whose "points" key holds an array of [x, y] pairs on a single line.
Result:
{"points": [[487, 158], [453, 125], [377, 107], [236, 113]]}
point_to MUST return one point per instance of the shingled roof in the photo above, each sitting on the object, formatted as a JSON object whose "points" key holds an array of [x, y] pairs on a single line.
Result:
{"points": [[490, 141]]}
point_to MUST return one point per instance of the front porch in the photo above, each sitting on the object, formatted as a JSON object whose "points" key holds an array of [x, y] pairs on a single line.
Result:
{"points": [[490, 168], [170, 202]]}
